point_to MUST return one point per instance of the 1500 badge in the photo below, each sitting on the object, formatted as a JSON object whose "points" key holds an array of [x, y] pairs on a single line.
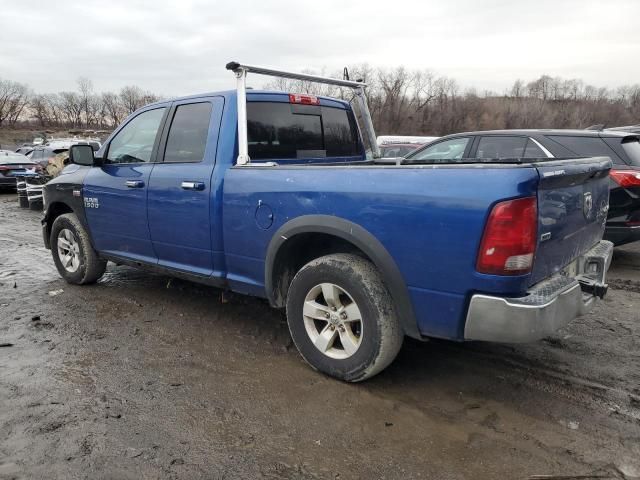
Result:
{"points": [[91, 202]]}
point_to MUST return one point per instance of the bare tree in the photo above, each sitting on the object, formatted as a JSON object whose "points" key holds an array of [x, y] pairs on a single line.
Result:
{"points": [[14, 97], [114, 110], [72, 108]]}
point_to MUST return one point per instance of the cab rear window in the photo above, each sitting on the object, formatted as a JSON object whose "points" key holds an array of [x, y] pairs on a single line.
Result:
{"points": [[293, 131]]}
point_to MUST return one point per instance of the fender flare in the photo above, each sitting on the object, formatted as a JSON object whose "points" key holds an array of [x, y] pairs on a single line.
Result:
{"points": [[363, 240]]}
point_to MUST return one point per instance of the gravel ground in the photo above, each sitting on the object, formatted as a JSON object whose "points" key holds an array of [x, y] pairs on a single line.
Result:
{"points": [[142, 376]]}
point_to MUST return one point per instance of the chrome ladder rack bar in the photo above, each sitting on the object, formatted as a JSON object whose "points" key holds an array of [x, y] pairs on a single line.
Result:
{"points": [[241, 87]]}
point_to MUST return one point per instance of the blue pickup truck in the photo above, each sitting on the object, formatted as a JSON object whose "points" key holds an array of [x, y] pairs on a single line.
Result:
{"points": [[272, 194]]}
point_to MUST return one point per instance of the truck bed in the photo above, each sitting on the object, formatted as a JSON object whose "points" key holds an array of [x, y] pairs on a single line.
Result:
{"points": [[430, 218]]}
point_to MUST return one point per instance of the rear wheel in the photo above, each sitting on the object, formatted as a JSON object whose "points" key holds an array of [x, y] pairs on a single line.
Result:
{"points": [[342, 319], [76, 260]]}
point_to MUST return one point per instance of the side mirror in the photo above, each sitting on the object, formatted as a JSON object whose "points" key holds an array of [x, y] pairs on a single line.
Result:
{"points": [[82, 155]]}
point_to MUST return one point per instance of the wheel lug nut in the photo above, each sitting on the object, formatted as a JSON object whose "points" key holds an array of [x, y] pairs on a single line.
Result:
{"points": [[332, 327], [333, 308], [341, 327], [343, 315], [327, 315]]}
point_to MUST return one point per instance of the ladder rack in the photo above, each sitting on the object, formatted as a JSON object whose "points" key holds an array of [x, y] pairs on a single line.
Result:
{"points": [[241, 72]]}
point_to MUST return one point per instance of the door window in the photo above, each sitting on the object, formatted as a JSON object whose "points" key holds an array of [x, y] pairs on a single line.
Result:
{"points": [[501, 147], [187, 138], [447, 150], [586, 146], [134, 143], [532, 150]]}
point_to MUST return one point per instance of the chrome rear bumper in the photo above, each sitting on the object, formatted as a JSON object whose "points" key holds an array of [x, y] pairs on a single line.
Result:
{"points": [[548, 305]]}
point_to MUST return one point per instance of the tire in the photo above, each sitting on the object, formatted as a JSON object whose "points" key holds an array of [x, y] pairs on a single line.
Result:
{"points": [[83, 265], [352, 350]]}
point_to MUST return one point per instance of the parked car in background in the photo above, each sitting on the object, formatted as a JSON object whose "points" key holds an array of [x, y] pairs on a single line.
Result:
{"points": [[623, 220], [394, 150], [12, 164], [25, 148], [394, 146], [43, 154], [628, 128], [66, 143], [46, 153]]}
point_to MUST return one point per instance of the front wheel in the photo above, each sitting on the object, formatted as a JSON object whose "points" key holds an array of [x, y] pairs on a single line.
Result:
{"points": [[341, 317], [76, 260]]}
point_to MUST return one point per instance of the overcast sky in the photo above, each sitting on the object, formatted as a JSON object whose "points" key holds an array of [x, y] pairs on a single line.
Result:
{"points": [[181, 47]]}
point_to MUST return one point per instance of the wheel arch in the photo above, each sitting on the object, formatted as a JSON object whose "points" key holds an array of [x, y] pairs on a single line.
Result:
{"points": [[54, 210], [308, 237]]}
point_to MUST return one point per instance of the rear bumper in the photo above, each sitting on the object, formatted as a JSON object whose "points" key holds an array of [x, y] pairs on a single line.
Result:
{"points": [[7, 181], [548, 306]]}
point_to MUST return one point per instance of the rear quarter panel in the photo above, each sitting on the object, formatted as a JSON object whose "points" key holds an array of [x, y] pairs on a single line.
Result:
{"points": [[429, 219]]}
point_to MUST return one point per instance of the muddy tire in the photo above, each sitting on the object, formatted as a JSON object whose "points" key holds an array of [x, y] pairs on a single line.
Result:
{"points": [[341, 317], [76, 260]]}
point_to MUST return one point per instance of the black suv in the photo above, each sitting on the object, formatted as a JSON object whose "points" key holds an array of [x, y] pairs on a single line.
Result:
{"points": [[623, 147]]}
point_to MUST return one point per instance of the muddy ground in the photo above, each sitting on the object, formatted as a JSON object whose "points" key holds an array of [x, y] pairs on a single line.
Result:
{"points": [[141, 376]]}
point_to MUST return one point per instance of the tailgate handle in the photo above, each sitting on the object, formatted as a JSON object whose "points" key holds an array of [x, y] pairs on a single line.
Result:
{"points": [[192, 185]]}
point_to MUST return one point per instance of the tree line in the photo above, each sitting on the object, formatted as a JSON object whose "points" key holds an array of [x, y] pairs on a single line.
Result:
{"points": [[401, 101], [418, 102], [82, 108]]}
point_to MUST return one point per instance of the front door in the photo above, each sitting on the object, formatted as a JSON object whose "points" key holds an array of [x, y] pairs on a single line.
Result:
{"points": [[115, 194], [180, 199]]}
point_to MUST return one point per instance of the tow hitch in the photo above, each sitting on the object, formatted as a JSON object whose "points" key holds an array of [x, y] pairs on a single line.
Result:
{"points": [[593, 287]]}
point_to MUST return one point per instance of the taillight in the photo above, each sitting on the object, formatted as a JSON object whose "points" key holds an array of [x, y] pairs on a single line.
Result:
{"points": [[303, 99], [5, 167], [509, 239], [626, 178]]}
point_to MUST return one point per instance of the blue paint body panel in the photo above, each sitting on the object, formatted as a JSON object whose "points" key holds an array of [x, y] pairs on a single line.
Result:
{"points": [[429, 219]]}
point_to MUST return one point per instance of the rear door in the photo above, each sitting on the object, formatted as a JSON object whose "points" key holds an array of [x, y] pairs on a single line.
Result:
{"points": [[573, 200], [179, 195], [115, 194]]}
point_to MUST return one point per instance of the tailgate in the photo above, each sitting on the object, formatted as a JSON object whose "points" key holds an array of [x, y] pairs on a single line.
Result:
{"points": [[573, 200]]}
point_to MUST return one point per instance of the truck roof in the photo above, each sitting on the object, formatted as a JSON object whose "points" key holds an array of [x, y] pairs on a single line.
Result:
{"points": [[551, 131], [250, 93]]}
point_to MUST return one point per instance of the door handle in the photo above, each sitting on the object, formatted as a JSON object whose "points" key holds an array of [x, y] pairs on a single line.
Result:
{"points": [[192, 185], [134, 183]]}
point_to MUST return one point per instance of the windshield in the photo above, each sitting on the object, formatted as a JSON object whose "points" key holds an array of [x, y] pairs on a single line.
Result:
{"points": [[390, 150], [632, 149], [442, 152]]}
